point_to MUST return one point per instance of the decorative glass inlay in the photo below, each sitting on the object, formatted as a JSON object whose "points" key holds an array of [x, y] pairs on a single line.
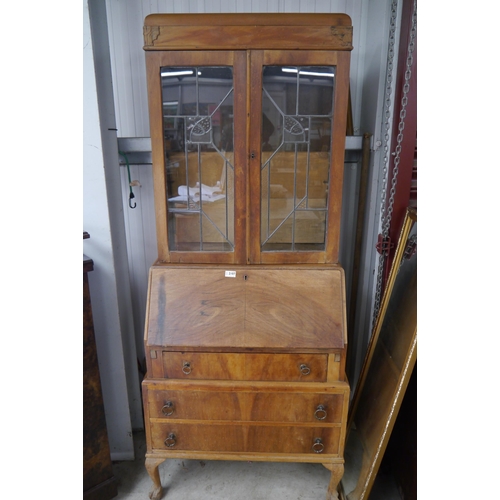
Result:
{"points": [[198, 139], [297, 113], [199, 129]]}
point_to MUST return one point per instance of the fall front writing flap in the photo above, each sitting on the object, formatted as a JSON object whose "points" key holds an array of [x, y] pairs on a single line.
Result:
{"points": [[242, 307]]}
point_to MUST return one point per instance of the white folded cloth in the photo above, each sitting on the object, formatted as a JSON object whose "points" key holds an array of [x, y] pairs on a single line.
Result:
{"points": [[208, 193]]}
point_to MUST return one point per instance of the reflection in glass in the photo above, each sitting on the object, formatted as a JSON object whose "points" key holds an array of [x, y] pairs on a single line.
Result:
{"points": [[198, 138], [297, 105]]}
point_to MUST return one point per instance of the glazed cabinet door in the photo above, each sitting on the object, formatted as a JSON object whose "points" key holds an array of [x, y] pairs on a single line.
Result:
{"points": [[281, 132], [198, 131], [297, 140]]}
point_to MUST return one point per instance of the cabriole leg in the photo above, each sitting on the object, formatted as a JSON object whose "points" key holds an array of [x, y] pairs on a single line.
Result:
{"points": [[152, 468], [337, 473]]}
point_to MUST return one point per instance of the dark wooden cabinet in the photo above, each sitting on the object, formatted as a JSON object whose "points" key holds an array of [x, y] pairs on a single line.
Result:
{"points": [[98, 479], [245, 334]]}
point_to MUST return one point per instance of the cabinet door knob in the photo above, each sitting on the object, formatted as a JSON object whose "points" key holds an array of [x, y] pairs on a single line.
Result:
{"points": [[320, 412], [171, 440], [186, 367], [304, 369], [168, 408], [318, 445]]}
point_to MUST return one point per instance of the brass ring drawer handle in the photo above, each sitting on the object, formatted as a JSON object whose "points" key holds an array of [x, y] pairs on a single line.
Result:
{"points": [[171, 440], [320, 412], [304, 369], [186, 367], [168, 408], [318, 445]]}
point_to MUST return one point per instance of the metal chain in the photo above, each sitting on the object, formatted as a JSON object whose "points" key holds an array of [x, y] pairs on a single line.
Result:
{"points": [[386, 217], [387, 127], [387, 103]]}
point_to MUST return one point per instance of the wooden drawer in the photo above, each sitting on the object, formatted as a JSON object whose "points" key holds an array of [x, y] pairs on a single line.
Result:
{"points": [[224, 437], [240, 405], [243, 366]]}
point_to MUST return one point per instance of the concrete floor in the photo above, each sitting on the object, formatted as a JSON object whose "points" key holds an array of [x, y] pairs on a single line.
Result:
{"points": [[222, 480]]}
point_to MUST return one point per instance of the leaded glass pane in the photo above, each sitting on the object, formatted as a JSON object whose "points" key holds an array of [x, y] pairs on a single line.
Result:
{"points": [[198, 138], [297, 112]]}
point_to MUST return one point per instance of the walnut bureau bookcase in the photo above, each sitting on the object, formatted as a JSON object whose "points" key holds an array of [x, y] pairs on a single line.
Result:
{"points": [[245, 332]]}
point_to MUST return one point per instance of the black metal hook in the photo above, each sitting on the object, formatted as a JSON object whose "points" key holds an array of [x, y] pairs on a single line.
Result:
{"points": [[130, 200], [129, 181]]}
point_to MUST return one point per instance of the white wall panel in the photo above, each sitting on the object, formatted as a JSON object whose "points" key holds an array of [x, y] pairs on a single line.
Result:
{"points": [[141, 242]]}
